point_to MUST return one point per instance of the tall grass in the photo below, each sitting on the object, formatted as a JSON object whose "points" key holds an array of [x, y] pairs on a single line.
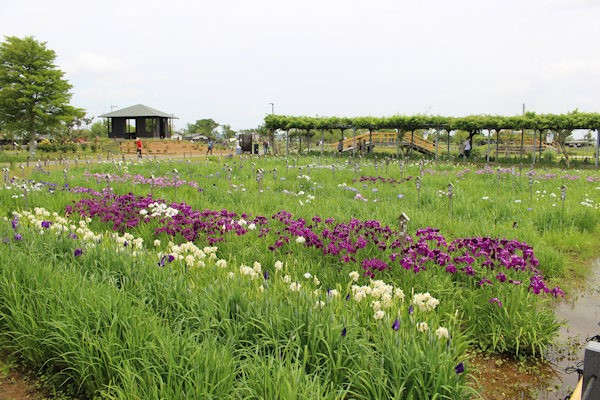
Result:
{"points": [[115, 323], [119, 326]]}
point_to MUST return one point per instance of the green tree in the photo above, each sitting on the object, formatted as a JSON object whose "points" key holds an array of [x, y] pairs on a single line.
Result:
{"points": [[34, 96], [228, 132], [203, 126], [99, 128], [588, 137], [73, 127]]}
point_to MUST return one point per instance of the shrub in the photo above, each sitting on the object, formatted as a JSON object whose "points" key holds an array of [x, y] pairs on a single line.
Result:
{"points": [[549, 155]]}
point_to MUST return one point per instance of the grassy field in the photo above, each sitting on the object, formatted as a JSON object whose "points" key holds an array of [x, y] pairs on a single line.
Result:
{"points": [[242, 277]]}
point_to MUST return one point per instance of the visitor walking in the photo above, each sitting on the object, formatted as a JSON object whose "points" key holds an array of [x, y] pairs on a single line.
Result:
{"points": [[467, 148], [210, 147], [138, 144]]}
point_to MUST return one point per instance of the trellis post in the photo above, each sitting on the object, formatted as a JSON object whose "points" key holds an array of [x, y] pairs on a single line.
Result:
{"points": [[418, 185]]}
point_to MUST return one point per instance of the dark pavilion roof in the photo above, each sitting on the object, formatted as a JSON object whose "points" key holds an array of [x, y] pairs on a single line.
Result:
{"points": [[139, 110]]}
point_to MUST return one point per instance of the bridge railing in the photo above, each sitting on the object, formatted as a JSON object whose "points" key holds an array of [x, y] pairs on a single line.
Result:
{"points": [[387, 138]]}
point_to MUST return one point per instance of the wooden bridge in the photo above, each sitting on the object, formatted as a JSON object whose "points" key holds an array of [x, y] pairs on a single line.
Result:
{"points": [[516, 148], [416, 142], [366, 141]]}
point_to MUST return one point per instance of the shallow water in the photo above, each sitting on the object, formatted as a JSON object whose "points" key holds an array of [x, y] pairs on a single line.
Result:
{"points": [[581, 311]]}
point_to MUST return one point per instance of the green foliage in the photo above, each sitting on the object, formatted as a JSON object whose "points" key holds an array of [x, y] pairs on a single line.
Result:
{"points": [[189, 333], [204, 126], [34, 96], [510, 326], [549, 155], [471, 124], [99, 129]]}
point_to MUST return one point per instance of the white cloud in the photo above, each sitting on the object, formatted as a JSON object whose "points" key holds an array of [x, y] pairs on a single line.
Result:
{"points": [[98, 93], [572, 69], [88, 62], [229, 59]]}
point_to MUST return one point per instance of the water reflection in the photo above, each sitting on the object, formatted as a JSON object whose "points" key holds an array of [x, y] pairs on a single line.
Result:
{"points": [[581, 311]]}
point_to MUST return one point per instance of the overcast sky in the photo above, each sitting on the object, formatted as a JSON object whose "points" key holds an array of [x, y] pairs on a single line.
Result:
{"points": [[229, 59]]}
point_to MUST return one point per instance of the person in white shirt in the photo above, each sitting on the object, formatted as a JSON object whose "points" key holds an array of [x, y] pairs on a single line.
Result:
{"points": [[467, 148]]}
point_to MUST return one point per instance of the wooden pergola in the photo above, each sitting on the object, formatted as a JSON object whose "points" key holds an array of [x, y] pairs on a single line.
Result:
{"points": [[139, 121]]}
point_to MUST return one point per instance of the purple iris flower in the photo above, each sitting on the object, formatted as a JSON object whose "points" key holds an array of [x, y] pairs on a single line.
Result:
{"points": [[396, 325], [411, 310], [14, 223], [18, 237], [266, 275], [460, 368], [46, 224], [170, 258], [497, 301], [161, 263], [344, 332], [78, 252]]}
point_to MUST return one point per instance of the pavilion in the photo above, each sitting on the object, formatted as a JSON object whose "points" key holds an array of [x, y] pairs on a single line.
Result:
{"points": [[139, 121]]}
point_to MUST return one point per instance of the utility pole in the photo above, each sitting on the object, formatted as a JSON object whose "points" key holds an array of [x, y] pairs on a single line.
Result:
{"points": [[522, 135], [272, 108]]}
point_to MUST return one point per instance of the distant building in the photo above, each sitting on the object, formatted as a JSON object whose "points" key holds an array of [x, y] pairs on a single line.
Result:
{"points": [[195, 137], [579, 143], [139, 121]]}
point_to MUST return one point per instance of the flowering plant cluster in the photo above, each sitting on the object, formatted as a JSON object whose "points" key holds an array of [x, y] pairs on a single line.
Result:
{"points": [[128, 211], [137, 179], [381, 297], [479, 258], [21, 186]]}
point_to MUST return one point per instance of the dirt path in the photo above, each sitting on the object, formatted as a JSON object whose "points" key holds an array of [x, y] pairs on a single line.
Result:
{"points": [[15, 385]]}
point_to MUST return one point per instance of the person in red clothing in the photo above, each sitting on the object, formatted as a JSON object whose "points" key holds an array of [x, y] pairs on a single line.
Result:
{"points": [[138, 143]]}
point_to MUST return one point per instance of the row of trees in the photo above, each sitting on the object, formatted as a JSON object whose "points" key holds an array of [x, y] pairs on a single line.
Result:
{"points": [[472, 123]]}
